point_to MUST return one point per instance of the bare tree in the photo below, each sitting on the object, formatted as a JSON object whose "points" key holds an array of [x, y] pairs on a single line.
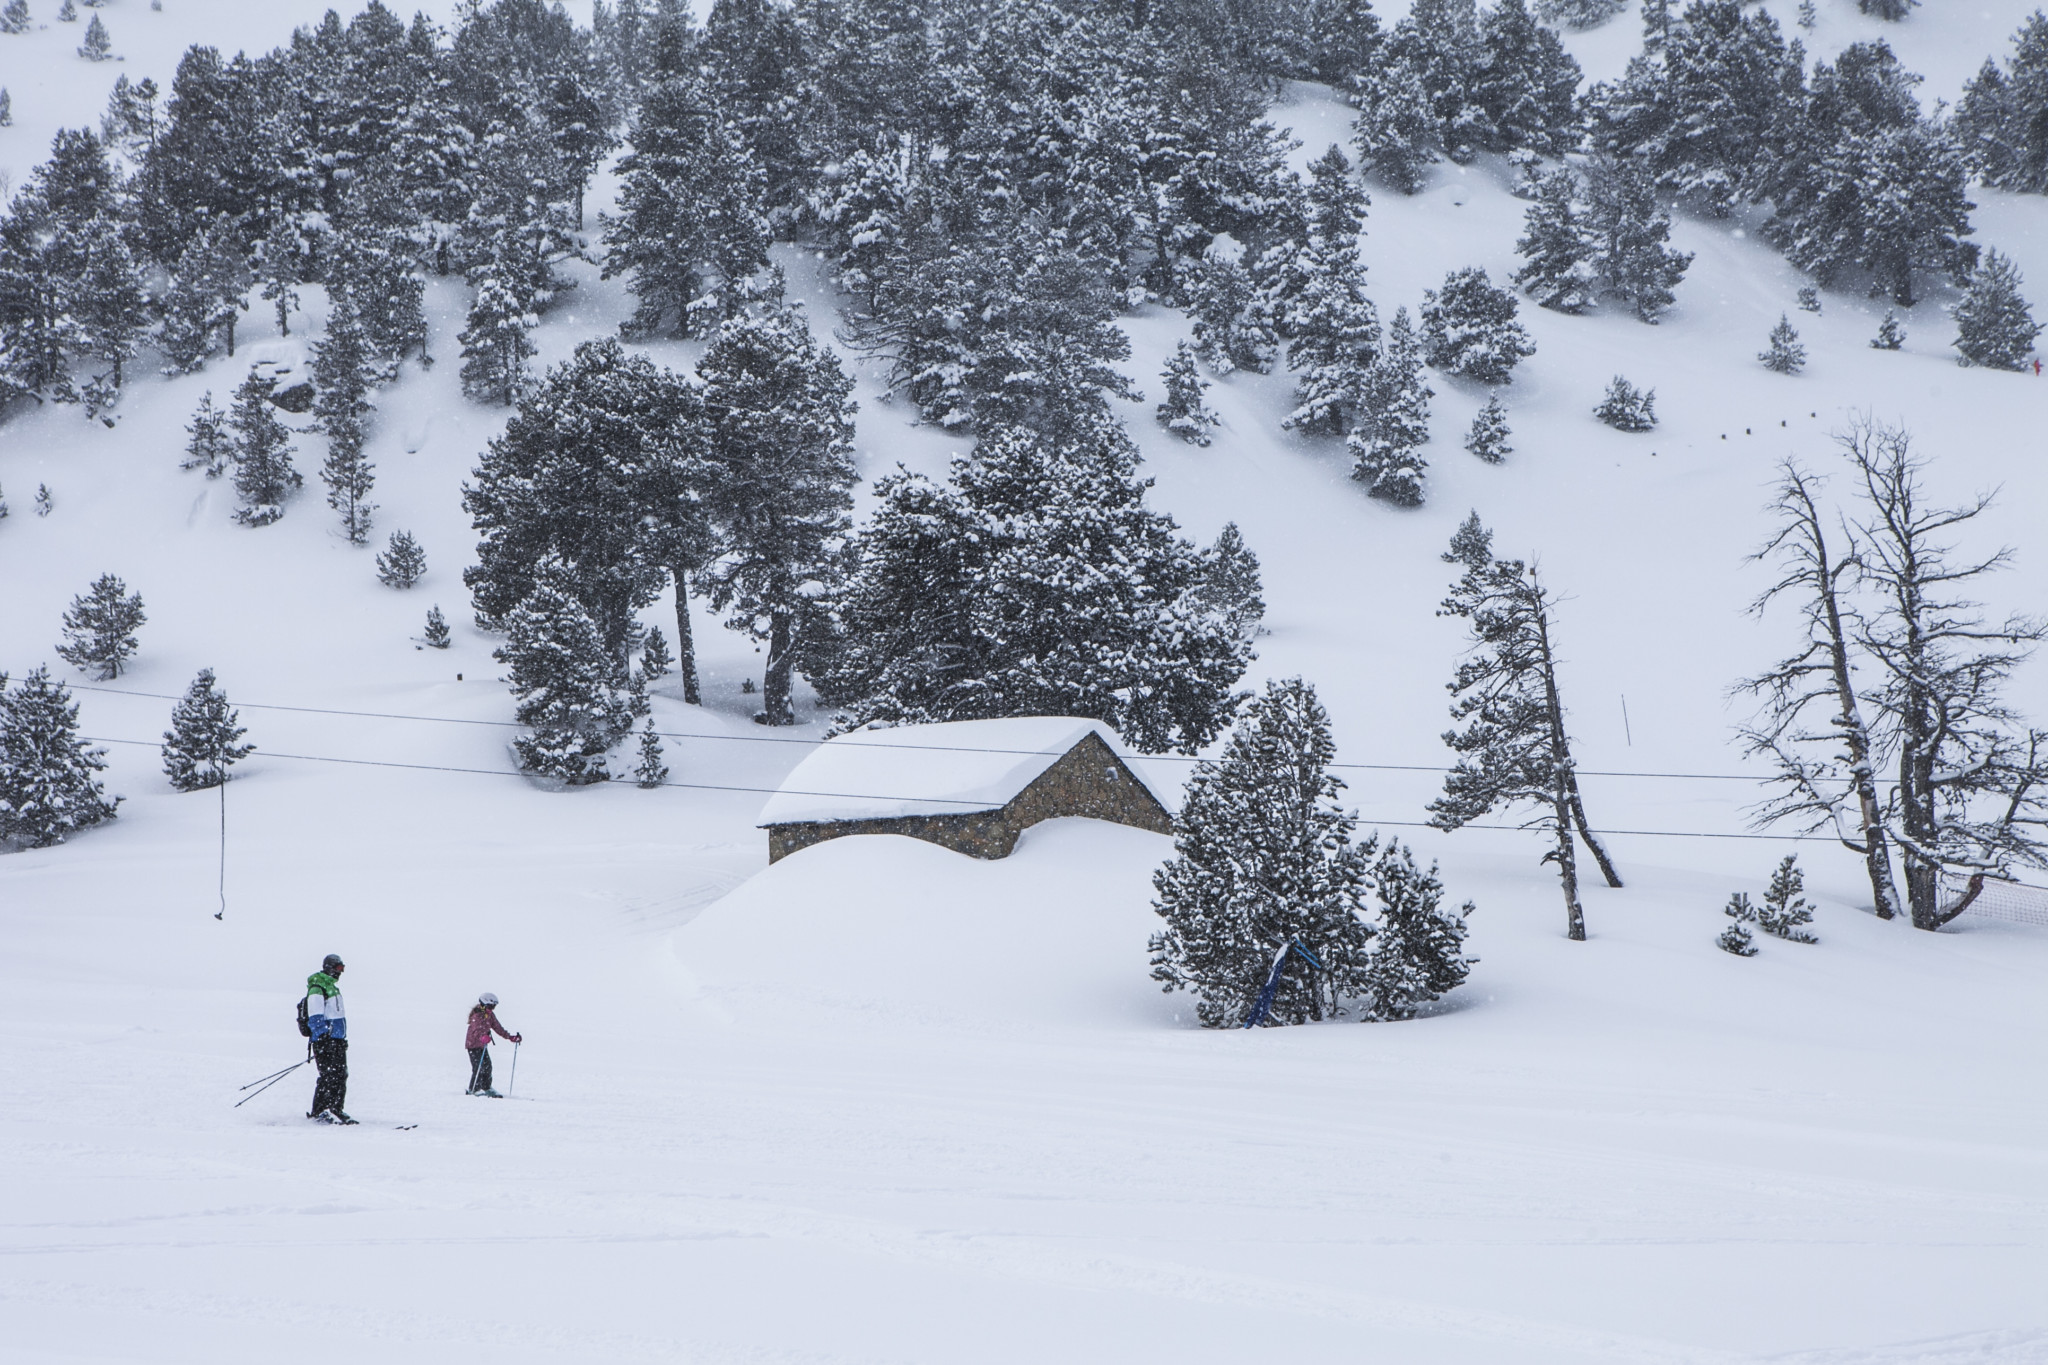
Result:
{"points": [[1513, 749], [1811, 726], [1972, 774]]}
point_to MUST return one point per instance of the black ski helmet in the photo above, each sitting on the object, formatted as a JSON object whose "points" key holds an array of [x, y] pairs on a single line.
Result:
{"points": [[330, 962]]}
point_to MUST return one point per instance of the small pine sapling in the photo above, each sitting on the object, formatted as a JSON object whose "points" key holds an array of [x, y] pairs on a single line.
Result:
{"points": [[655, 659], [45, 504], [401, 563], [1890, 334], [14, 17], [99, 630], [1419, 952], [201, 746], [3, 505], [650, 772], [67, 13], [208, 445], [1183, 412], [437, 636], [1735, 938], [1889, 10], [1469, 328], [97, 47], [6, 108], [1488, 438], [1626, 408], [47, 785], [1809, 299], [1784, 355], [1232, 588], [1808, 15], [1785, 913], [1994, 327]]}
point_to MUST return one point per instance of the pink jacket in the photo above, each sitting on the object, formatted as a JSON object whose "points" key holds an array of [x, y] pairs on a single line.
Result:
{"points": [[482, 1022]]}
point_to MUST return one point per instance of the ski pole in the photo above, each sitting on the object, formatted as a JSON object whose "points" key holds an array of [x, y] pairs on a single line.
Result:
{"points": [[274, 1075], [273, 1081], [513, 1079]]}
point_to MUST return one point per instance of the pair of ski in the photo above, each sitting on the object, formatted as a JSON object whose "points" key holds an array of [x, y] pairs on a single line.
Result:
{"points": [[329, 1116]]}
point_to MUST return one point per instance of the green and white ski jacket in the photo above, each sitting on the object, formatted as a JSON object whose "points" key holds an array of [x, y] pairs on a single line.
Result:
{"points": [[323, 1007]]}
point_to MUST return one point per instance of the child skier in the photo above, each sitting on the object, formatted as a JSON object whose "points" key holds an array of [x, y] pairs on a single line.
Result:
{"points": [[483, 1022]]}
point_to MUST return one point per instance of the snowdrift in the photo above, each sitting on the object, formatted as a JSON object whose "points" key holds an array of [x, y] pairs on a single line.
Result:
{"points": [[883, 929]]}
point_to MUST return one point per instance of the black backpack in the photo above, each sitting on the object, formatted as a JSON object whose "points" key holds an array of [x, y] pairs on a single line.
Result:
{"points": [[305, 1028]]}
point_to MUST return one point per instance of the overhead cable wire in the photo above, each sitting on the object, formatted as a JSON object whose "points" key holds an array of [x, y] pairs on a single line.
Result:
{"points": [[953, 801], [881, 744]]}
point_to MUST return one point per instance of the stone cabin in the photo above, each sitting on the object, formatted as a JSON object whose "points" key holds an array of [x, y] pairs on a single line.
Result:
{"points": [[972, 786]]}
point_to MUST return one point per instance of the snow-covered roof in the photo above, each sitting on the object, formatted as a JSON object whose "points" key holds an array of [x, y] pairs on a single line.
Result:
{"points": [[947, 769]]}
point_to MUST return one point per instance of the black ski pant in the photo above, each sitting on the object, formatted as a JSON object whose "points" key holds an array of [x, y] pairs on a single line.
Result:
{"points": [[479, 1069], [331, 1090]]}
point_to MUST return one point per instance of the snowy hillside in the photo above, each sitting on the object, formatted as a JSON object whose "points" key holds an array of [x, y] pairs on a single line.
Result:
{"points": [[881, 1102]]}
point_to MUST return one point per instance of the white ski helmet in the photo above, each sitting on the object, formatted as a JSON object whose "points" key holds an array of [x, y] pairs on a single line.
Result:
{"points": [[487, 1000]]}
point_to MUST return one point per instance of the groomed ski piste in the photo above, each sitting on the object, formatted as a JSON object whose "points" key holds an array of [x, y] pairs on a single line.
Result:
{"points": [[884, 1103]]}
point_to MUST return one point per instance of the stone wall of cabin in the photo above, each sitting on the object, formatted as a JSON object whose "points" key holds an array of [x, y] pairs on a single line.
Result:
{"points": [[1089, 779]]}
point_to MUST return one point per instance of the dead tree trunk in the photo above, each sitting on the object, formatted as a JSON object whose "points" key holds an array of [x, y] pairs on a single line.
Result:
{"points": [[686, 640]]}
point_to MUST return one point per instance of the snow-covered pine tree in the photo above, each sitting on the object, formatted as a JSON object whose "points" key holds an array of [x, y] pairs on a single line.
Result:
{"points": [[495, 345], [1994, 326], [1263, 859], [655, 660], [401, 563], [1526, 83], [1628, 230], [1232, 329], [436, 636], [1735, 937], [1469, 328], [780, 434], [1557, 247], [1808, 15], [1315, 291], [209, 287], [208, 445], [602, 467], [1386, 446], [566, 681], [1579, 14], [343, 373], [1039, 584], [99, 629], [1890, 334], [650, 772], [3, 505], [48, 790], [1998, 121], [1627, 408], [14, 17], [1232, 588], [97, 47], [690, 234], [1513, 749], [6, 108], [1893, 10], [1785, 912], [1488, 438], [104, 295], [201, 744], [1784, 355], [67, 12], [1809, 299], [1183, 413], [45, 504], [264, 476], [1418, 955], [1397, 135]]}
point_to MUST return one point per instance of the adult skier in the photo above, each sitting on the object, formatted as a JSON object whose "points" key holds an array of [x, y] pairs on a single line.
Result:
{"points": [[483, 1022], [329, 1026]]}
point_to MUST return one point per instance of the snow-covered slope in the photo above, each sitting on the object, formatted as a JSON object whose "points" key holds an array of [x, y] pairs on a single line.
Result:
{"points": [[885, 1103]]}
